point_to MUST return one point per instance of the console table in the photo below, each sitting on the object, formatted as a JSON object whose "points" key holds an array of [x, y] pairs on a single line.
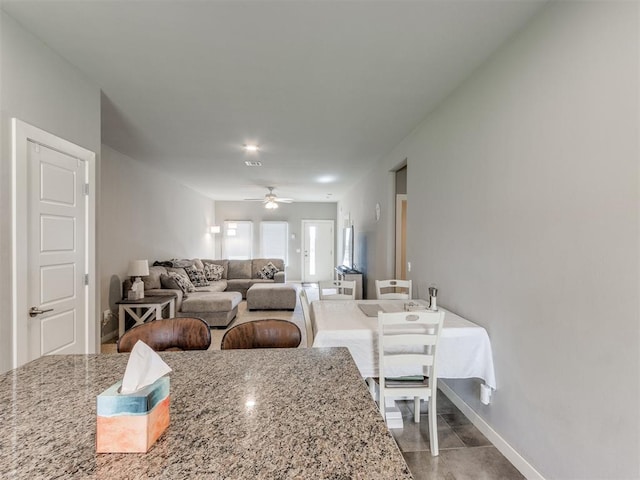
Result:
{"points": [[141, 310]]}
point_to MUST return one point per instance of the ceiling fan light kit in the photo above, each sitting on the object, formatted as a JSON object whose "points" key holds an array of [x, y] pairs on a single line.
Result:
{"points": [[270, 200]]}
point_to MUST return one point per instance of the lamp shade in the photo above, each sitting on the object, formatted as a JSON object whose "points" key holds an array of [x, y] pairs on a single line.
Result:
{"points": [[138, 268]]}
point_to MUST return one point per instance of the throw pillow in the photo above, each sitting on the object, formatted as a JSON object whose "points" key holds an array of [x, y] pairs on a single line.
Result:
{"points": [[213, 272], [268, 271], [176, 281], [197, 277]]}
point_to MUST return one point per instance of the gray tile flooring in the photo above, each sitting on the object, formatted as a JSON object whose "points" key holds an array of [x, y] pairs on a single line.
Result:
{"points": [[464, 452]]}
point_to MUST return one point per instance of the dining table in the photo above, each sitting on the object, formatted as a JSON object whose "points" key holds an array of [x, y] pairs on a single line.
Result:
{"points": [[464, 348], [236, 414]]}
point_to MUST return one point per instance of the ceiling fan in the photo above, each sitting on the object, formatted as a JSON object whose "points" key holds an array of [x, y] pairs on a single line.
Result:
{"points": [[270, 200]]}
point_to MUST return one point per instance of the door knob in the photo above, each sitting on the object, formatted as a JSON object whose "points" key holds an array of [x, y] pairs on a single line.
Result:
{"points": [[34, 311]]}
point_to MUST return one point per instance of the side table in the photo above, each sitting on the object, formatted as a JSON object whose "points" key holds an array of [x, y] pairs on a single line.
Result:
{"points": [[142, 310]]}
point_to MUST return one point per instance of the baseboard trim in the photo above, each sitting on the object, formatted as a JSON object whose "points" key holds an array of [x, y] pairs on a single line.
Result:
{"points": [[109, 336], [500, 443]]}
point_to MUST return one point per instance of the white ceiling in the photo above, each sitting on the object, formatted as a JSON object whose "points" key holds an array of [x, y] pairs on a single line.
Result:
{"points": [[326, 88]]}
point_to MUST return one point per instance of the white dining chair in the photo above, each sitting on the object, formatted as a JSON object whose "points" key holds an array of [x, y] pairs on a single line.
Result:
{"points": [[338, 289], [306, 313], [410, 339], [393, 289]]}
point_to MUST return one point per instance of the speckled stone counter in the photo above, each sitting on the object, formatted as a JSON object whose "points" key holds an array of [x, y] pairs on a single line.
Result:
{"points": [[312, 418]]}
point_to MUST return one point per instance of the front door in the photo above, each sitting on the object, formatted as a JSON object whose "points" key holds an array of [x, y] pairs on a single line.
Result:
{"points": [[318, 260], [57, 237]]}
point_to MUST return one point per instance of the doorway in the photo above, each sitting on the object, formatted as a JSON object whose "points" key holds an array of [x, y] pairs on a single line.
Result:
{"points": [[54, 281], [401, 222], [401, 236], [318, 242]]}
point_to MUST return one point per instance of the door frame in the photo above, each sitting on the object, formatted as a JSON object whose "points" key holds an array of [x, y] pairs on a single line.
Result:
{"points": [[400, 227], [303, 270], [21, 134]]}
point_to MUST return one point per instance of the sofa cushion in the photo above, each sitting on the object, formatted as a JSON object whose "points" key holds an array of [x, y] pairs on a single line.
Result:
{"points": [[213, 272], [197, 277], [211, 302], [219, 286], [175, 281], [223, 263], [198, 263], [268, 271], [152, 280], [239, 269], [258, 263]]}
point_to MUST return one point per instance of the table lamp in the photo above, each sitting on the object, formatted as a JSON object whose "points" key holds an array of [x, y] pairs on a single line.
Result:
{"points": [[137, 269]]}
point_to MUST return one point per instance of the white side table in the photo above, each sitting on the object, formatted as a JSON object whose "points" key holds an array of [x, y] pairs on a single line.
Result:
{"points": [[143, 309]]}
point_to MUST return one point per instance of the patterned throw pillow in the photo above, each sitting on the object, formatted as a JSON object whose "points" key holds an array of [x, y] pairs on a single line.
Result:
{"points": [[213, 272], [173, 280], [197, 277], [268, 271]]}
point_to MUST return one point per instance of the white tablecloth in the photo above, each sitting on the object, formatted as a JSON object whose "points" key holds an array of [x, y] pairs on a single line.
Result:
{"points": [[464, 350]]}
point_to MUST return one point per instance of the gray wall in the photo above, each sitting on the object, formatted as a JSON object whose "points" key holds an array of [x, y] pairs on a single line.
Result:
{"points": [[293, 213], [146, 214], [39, 87], [524, 209]]}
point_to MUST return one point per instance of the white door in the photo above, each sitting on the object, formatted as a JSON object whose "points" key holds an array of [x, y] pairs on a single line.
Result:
{"points": [[56, 252], [318, 242]]}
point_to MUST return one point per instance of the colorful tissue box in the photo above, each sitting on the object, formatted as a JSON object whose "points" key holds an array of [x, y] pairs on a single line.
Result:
{"points": [[131, 423]]}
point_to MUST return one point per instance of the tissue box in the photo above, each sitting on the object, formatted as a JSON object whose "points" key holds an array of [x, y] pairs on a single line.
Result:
{"points": [[131, 423]]}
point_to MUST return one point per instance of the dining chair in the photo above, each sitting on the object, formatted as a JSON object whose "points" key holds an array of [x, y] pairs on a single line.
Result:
{"points": [[269, 333], [306, 312], [408, 342], [393, 289], [185, 333], [339, 289]]}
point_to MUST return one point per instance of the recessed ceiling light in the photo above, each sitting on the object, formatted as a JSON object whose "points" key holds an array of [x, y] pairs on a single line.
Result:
{"points": [[250, 147], [253, 164]]}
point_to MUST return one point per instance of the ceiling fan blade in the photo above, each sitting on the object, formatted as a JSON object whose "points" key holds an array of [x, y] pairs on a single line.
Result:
{"points": [[283, 200], [254, 200]]}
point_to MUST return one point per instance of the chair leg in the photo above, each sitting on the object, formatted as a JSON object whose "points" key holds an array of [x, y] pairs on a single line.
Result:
{"points": [[433, 425], [416, 409]]}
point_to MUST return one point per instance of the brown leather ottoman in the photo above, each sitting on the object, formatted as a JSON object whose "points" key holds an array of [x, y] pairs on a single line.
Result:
{"points": [[272, 296]]}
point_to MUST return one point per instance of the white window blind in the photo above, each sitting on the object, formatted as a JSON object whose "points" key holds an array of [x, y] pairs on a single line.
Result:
{"points": [[238, 240], [273, 240]]}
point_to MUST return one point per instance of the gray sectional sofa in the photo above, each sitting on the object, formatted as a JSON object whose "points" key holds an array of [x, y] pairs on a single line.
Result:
{"points": [[216, 303]]}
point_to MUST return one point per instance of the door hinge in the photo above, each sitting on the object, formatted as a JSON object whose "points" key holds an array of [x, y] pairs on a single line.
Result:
{"points": [[85, 189], [86, 279]]}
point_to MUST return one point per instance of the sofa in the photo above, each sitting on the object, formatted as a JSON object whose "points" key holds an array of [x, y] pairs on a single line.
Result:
{"points": [[216, 303]]}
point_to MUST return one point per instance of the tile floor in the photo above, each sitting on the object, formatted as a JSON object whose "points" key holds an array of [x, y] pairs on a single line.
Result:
{"points": [[464, 452]]}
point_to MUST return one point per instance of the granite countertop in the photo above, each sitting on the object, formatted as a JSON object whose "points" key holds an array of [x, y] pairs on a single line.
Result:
{"points": [[313, 418]]}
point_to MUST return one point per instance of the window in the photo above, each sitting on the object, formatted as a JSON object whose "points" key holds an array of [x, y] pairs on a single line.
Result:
{"points": [[273, 240], [238, 240]]}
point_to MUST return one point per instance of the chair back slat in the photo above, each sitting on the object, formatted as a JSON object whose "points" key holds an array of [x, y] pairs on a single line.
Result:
{"points": [[409, 339], [341, 290], [393, 289], [408, 359]]}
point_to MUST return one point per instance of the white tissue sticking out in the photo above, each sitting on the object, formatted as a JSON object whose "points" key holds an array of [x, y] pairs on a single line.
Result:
{"points": [[144, 367]]}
